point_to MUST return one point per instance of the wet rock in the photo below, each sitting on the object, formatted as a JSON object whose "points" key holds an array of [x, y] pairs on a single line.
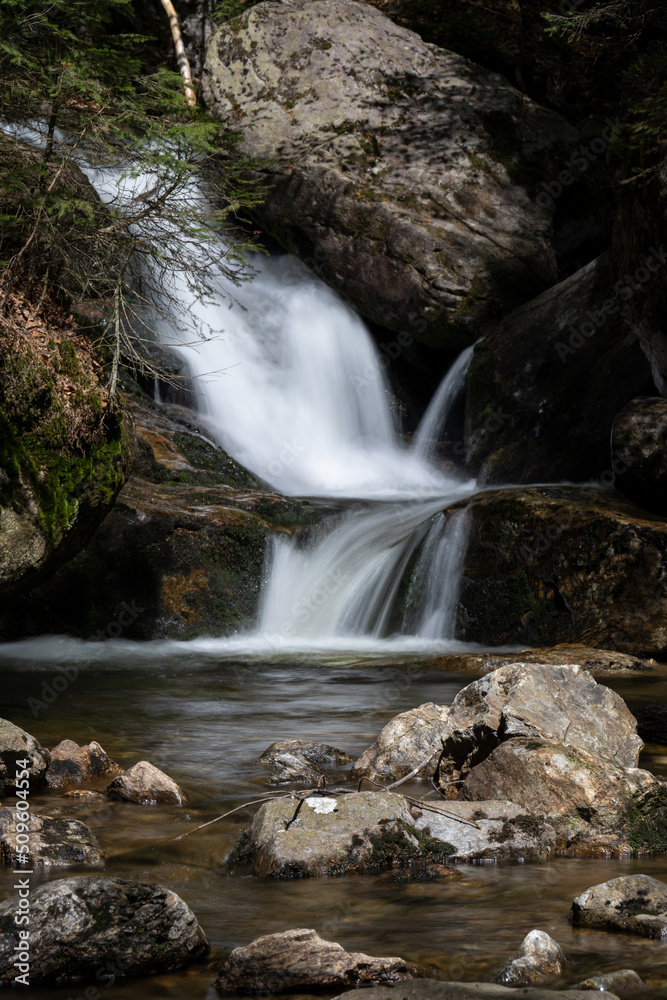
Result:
{"points": [[538, 959], [539, 409], [286, 962], [636, 904], [299, 761], [620, 981], [73, 764], [564, 564], [432, 989], [552, 703], [54, 841], [410, 190], [15, 745], [638, 439], [97, 928], [355, 831], [493, 830], [406, 741], [597, 661], [652, 723], [147, 785]]}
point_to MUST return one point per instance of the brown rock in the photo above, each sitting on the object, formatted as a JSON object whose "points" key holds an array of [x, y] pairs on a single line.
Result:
{"points": [[52, 842], [636, 904], [538, 959], [147, 785], [405, 742], [299, 958], [73, 764]]}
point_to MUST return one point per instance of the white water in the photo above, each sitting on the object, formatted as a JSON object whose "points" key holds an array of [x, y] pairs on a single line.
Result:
{"points": [[290, 383]]}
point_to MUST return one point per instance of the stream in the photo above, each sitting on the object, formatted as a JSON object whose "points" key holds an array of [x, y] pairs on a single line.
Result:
{"points": [[301, 399]]}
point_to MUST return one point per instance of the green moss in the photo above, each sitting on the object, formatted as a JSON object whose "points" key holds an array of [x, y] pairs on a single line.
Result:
{"points": [[531, 826], [647, 831], [243, 854]]}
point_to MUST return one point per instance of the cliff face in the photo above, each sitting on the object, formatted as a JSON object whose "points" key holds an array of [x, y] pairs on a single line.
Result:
{"points": [[65, 450]]}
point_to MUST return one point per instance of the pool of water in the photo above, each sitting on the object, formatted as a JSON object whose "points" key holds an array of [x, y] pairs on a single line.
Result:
{"points": [[205, 721]]}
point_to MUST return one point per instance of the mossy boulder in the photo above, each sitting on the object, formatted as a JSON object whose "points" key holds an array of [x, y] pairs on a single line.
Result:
{"points": [[408, 177], [65, 448], [564, 564]]}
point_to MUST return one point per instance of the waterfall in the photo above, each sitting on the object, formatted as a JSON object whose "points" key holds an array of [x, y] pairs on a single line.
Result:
{"points": [[439, 410]]}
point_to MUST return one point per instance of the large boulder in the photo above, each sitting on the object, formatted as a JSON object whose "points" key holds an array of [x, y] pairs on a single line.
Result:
{"points": [[328, 836], [97, 929], [564, 564], [407, 176], [595, 805], [180, 554], [636, 904], [557, 704], [17, 745], [408, 740], [556, 372], [53, 841], [638, 445], [295, 959]]}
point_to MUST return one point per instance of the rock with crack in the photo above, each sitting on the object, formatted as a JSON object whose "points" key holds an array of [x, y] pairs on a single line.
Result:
{"points": [[15, 745], [72, 764], [358, 831], [146, 784], [538, 959], [406, 741], [557, 704], [300, 761], [636, 904], [406, 174], [296, 959], [97, 929], [52, 841]]}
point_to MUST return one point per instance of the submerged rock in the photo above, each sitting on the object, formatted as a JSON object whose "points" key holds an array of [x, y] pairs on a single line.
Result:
{"points": [[620, 981], [597, 661], [564, 564], [538, 959], [405, 742], [295, 959], [53, 841], [72, 764], [552, 404], [352, 832], [98, 929], [146, 784], [552, 703], [493, 830], [291, 769], [406, 175], [17, 745], [636, 904], [432, 989], [638, 439]]}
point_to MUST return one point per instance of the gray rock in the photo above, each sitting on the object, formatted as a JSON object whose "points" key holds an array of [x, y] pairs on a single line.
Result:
{"points": [[299, 958], [403, 173], [299, 761], [99, 928], [432, 989], [493, 830], [620, 981], [146, 784], [404, 742], [54, 841], [636, 904], [538, 959], [597, 661], [639, 450], [552, 405], [72, 764], [595, 805], [15, 745], [330, 835], [558, 704]]}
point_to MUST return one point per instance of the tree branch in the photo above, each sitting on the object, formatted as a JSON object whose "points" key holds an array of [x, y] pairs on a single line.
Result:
{"points": [[181, 57]]}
